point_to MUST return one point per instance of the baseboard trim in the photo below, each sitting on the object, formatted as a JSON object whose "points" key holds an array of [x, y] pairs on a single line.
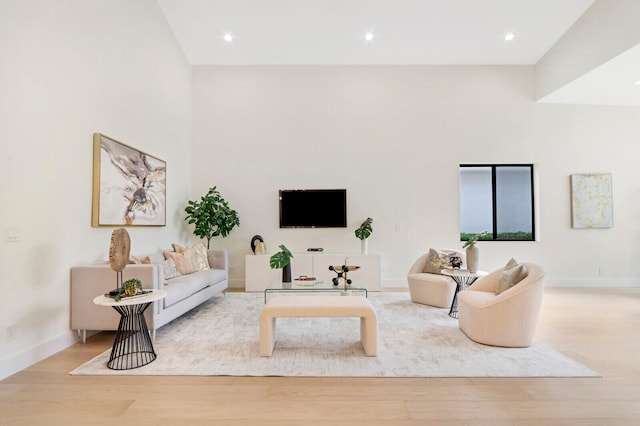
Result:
{"points": [[14, 363], [592, 282]]}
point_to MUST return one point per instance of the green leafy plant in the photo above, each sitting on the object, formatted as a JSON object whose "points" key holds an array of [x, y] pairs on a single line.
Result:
{"points": [[129, 288], [473, 238], [280, 259], [211, 216], [365, 229]]}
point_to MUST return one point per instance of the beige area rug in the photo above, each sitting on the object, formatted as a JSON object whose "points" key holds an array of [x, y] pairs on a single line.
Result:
{"points": [[222, 338]]}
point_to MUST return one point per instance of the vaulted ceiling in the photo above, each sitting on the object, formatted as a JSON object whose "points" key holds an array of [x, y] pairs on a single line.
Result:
{"points": [[451, 32]]}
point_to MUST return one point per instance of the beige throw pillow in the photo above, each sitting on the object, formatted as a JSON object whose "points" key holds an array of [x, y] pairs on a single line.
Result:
{"points": [[185, 261], [436, 261], [200, 253], [511, 275]]}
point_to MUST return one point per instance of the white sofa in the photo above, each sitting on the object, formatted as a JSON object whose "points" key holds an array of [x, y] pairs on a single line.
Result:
{"points": [[184, 292]]}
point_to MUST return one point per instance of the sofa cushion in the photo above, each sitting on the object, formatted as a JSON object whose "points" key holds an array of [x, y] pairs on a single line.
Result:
{"points": [[511, 275], [184, 286]]}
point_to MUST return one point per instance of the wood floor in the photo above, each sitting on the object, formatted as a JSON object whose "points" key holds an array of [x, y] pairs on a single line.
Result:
{"points": [[597, 327]]}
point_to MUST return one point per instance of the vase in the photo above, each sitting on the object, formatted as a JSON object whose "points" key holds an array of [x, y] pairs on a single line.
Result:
{"points": [[364, 246], [472, 258], [286, 273]]}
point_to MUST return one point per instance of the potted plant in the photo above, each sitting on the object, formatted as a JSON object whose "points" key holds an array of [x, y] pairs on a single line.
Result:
{"points": [[363, 232], [282, 260], [472, 251], [211, 216], [129, 288]]}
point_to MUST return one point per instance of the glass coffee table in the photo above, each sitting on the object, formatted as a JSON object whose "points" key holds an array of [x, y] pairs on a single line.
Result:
{"points": [[311, 286]]}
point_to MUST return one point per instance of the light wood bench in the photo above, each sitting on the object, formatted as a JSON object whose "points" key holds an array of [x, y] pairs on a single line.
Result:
{"points": [[315, 307]]}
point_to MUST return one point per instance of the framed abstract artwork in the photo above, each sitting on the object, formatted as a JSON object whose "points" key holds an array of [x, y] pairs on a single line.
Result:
{"points": [[129, 186], [591, 201]]}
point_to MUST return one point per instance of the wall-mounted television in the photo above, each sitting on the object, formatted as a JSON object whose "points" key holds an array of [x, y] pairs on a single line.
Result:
{"points": [[313, 208]]}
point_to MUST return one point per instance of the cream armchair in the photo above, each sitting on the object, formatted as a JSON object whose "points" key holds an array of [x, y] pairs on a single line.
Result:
{"points": [[508, 319], [432, 289]]}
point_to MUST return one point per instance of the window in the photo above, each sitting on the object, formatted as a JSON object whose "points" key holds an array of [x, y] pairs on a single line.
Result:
{"points": [[497, 199]]}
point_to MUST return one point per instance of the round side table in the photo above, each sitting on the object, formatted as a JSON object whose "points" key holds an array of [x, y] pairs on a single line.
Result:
{"points": [[132, 347], [463, 279]]}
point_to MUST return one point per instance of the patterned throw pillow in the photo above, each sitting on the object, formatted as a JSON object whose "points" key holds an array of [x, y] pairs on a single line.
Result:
{"points": [[511, 275], [437, 261], [200, 253], [170, 269]]}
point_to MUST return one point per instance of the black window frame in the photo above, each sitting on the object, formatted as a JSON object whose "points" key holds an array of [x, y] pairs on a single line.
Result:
{"points": [[493, 233]]}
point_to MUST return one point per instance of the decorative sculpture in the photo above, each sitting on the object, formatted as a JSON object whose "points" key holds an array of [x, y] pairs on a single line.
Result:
{"points": [[341, 272], [119, 253], [455, 262]]}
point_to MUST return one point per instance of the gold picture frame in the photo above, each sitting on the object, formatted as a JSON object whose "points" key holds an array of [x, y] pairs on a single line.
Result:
{"points": [[129, 186]]}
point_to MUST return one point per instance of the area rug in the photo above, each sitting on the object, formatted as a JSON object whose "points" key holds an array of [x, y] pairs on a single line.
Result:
{"points": [[222, 336]]}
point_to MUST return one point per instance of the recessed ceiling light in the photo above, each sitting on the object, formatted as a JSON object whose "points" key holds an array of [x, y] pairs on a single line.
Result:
{"points": [[368, 36], [637, 83], [509, 36], [227, 37]]}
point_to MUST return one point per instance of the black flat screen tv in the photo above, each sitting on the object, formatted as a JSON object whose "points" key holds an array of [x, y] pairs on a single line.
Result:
{"points": [[313, 208]]}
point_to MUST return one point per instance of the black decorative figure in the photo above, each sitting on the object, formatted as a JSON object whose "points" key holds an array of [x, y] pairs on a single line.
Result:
{"points": [[455, 262], [341, 272]]}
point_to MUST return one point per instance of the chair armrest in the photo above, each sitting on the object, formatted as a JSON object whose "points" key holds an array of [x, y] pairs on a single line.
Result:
{"points": [[90, 281], [418, 265], [487, 283]]}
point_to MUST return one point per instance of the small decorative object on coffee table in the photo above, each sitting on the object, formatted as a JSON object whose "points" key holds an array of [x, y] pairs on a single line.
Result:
{"points": [[342, 271], [463, 279]]}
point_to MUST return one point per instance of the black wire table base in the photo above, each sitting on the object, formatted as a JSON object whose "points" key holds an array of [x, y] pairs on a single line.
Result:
{"points": [[462, 282], [132, 347]]}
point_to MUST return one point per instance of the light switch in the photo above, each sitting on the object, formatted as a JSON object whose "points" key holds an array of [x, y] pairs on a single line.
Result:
{"points": [[12, 234]]}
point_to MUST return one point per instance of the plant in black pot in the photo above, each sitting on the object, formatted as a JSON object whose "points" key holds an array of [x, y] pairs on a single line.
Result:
{"points": [[282, 260], [211, 216]]}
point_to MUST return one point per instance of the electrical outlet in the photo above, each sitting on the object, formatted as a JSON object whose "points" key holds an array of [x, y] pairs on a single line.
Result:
{"points": [[11, 332], [601, 271]]}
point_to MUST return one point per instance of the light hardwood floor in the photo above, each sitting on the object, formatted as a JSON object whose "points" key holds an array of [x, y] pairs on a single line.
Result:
{"points": [[598, 327]]}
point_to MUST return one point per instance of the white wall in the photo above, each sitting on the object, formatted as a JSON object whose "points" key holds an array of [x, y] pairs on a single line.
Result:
{"points": [[69, 69], [603, 32], [394, 137]]}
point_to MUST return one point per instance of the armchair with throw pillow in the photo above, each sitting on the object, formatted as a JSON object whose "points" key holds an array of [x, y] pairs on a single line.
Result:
{"points": [[502, 309], [426, 285]]}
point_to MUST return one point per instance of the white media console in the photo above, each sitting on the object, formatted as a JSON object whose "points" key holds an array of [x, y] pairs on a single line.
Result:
{"points": [[259, 275]]}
